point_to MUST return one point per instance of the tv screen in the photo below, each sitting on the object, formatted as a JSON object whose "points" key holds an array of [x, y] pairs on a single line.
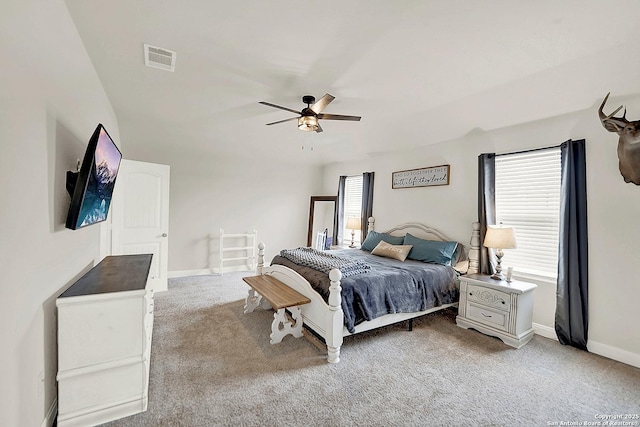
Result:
{"points": [[92, 186]]}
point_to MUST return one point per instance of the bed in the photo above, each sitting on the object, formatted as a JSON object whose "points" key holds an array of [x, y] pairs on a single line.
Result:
{"points": [[344, 306]]}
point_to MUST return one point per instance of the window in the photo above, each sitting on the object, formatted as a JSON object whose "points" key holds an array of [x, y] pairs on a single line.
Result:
{"points": [[528, 198], [352, 204]]}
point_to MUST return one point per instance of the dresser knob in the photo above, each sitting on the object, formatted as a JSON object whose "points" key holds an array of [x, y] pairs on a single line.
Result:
{"points": [[470, 293], [503, 301]]}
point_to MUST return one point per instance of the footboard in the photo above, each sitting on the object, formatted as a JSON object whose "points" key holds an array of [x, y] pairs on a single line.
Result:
{"points": [[327, 320]]}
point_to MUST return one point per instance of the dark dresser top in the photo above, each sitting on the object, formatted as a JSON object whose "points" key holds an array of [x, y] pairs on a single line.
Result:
{"points": [[117, 273]]}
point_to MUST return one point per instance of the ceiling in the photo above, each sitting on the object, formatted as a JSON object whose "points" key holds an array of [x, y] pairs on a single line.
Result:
{"points": [[418, 72]]}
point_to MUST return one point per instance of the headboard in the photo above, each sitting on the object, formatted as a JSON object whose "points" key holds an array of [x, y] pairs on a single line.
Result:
{"points": [[470, 253]]}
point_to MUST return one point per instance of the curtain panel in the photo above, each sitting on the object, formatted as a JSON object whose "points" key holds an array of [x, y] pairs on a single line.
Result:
{"points": [[486, 207], [572, 316], [367, 203], [338, 218]]}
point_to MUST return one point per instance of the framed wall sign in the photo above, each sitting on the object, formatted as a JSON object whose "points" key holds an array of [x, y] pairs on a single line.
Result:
{"points": [[423, 177]]}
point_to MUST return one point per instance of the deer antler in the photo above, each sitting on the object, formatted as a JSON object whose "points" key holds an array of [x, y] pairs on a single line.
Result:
{"points": [[610, 123], [604, 116]]}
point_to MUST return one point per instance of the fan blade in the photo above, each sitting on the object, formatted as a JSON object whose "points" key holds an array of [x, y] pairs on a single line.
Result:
{"points": [[322, 103], [319, 128], [282, 121], [339, 117], [278, 106]]}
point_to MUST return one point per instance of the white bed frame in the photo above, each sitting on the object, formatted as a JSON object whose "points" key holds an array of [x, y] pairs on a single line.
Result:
{"points": [[327, 320]]}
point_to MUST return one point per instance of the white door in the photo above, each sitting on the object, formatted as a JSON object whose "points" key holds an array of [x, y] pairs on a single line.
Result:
{"points": [[141, 216]]}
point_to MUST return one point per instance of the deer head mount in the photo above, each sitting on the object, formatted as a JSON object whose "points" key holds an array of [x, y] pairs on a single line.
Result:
{"points": [[628, 143]]}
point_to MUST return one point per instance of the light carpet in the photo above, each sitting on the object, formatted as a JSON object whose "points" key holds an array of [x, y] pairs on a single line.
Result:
{"points": [[212, 365]]}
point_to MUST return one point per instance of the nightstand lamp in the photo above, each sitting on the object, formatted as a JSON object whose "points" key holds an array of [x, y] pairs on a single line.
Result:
{"points": [[353, 224], [500, 238]]}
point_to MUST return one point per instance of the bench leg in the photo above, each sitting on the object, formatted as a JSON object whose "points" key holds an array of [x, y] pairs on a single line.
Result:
{"points": [[252, 301], [281, 326]]}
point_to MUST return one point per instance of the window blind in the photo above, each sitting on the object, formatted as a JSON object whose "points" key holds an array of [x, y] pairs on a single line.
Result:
{"points": [[528, 198], [352, 203]]}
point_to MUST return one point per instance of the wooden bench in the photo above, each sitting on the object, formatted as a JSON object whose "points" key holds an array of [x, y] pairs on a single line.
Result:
{"points": [[280, 297]]}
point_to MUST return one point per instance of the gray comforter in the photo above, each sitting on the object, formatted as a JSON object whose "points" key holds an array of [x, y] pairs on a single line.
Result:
{"points": [[390, 286]]}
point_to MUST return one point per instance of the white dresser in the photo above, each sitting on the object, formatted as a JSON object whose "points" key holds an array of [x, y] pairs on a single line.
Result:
{"points": [[105, 323], [497, 308]]}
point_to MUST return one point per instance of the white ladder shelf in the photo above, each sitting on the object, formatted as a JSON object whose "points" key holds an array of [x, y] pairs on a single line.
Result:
{"points": [[229, 248]]}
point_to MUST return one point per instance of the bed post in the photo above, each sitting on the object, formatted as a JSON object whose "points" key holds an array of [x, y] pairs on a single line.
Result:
{"points": [[260, 259], [474, 251], [335, 320], [370, 223]]}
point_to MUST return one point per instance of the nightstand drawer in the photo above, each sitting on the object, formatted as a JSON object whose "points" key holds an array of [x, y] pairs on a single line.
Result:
{"points": [[488, 316], [489, 297]]}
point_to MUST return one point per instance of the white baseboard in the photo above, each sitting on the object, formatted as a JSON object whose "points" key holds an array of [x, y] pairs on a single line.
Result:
{"points": [[50, 418], [187, 273], [545, 331], [206, 271], [614, 353], [595, 347]]}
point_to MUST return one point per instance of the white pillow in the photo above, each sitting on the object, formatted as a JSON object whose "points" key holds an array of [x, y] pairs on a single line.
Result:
{"points": [[462, 267], [388, 250]]}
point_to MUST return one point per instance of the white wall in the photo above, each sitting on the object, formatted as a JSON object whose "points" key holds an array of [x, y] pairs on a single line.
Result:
{"points": [[212, 191], [50, 102], [613, 213]]}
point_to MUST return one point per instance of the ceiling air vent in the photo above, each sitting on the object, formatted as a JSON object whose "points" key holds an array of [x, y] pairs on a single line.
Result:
{"points": [[157, 57]]}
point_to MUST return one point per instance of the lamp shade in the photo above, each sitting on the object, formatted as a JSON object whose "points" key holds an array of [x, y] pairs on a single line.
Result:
{"points": [[500, 238], [353, 223]]}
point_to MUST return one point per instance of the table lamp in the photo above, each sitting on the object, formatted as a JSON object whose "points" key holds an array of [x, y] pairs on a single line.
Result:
{"points": [[499, 238], [353, 224]]}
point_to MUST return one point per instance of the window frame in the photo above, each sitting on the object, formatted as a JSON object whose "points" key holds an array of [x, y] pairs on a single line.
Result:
{"points": [[537, 254], [352, 188]]}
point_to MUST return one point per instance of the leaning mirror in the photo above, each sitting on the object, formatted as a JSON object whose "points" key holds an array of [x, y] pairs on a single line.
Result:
{"points": [[321, 213]]}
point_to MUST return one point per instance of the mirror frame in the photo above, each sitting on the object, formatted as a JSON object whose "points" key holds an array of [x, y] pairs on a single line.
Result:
{"points": [[315, 199]]}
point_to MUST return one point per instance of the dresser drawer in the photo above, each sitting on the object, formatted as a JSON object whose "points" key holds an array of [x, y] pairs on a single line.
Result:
{"points": [[488, 316], [489, 297]]}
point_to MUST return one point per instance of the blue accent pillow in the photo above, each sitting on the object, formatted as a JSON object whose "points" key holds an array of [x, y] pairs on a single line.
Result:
{"points": [[456, 255], [430, 250], [373, 238]]}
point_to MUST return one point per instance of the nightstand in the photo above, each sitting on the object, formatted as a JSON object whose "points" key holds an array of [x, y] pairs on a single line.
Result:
{"points": [[497, 308]]}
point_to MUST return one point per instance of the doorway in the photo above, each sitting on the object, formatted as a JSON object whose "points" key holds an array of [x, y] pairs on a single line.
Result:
{"points": [[141, 216]]}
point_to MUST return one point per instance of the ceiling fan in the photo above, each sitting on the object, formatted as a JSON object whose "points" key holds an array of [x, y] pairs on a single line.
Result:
{"points": [[309, 116]]}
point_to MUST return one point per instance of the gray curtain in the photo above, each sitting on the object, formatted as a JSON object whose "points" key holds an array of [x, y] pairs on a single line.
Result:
{"points": [[367, 202], [338, 218], [486, 207], [572, 315]]}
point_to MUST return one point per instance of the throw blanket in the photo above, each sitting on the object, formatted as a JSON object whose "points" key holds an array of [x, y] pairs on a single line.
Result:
{"points": [[324, 262]]}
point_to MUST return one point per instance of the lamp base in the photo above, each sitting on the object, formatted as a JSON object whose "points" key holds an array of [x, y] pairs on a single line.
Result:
{"points": [[498, 274]]}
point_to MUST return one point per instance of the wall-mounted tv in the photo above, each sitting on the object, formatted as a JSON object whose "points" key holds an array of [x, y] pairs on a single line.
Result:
{"points": [[92, 186]]}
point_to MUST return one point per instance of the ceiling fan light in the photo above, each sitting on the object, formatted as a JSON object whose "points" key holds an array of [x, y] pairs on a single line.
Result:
{"points": [[308, 123]]}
